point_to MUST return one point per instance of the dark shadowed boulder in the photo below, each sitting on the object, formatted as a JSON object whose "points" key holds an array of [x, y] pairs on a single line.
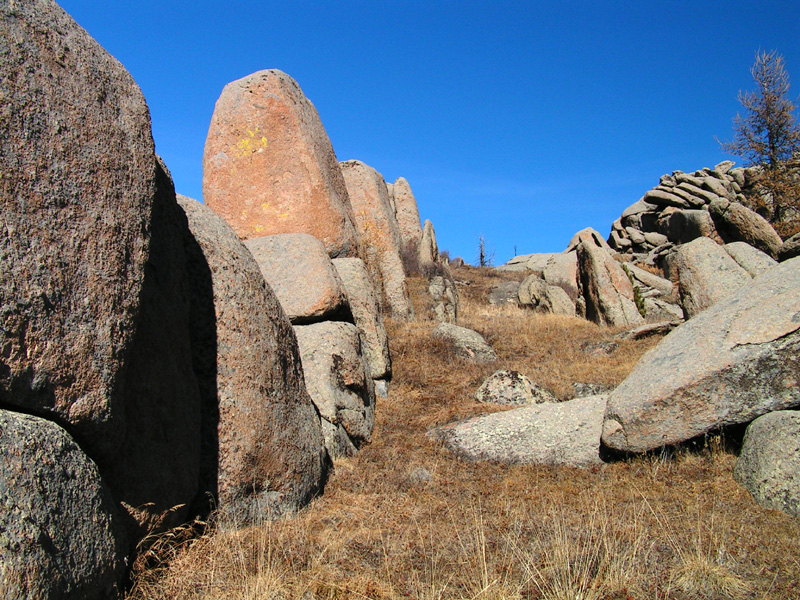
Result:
{"points": [[506, 292], [262, 442], [682, 226], [736, 360], [769, 464], [269, 167], [552, 433], [297, 268], [60, 532], [790, 248]]}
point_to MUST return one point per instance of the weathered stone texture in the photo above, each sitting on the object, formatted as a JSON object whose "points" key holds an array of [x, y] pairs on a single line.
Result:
{"points": [[407, 213], [262, 441], [269, 167]]}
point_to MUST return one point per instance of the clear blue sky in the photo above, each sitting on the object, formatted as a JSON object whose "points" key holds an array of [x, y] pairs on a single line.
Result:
{"points": [[520, 121]]}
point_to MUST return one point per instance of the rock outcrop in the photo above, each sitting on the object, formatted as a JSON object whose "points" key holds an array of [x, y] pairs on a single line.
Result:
{"points": [[733, 362], [769, 464], [706, 274], [428, 252], [536, 294], [552, 433], [605, 288], [737, 223], [269, 167], [300, 272], [60, 531], [379, 234], [262, 453], [443, 291]]}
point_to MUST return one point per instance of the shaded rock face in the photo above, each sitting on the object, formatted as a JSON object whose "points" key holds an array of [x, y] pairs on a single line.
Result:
{"points": [[682, 226], [269, 167], [77, 191], [407, 213], [428, 254], [512, 388], [769, 462], [60, 533], [790, 248], [94, 326], [339, 383], [379, 235], [367, 315], [299, 271], [162, 403], [562, 433], [262, 452], [706, 274], [733, 362], [605, 288], [467, 343]]}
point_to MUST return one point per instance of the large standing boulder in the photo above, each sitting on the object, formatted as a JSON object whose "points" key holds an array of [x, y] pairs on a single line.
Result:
{"points": [[299, 271], [407, 214], [367, 315], [737, 223], [706, 274], [606, 289], [60, 533], [262, 451], [269, 167], [466, 343], [734, 361], [94, 323], [769, 464], [562, 270], [428, 254], [379, 234], [339, 383], [552, 433]]}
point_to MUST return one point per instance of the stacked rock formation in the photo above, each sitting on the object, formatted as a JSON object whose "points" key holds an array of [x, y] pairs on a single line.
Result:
{"points": [[147, 370], [338, 372], [684, 206]]}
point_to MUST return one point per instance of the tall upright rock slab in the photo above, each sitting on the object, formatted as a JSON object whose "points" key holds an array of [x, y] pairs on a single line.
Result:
{"points": [[262, 452], [407, 214], [79, 178], [379, 234], [605, 287], [269, 167]]}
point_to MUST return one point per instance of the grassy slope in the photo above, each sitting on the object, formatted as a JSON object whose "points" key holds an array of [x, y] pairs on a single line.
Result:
{"points": [[660, 527]]}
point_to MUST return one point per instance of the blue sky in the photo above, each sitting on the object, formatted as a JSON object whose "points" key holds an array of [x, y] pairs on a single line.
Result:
{"points": [[519, 121]]}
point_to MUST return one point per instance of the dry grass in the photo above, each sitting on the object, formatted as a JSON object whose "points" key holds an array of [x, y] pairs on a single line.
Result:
{"points": [[406, 519]]}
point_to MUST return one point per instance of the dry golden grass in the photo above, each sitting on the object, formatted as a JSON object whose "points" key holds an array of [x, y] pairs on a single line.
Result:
{"points": [[406, 519]]}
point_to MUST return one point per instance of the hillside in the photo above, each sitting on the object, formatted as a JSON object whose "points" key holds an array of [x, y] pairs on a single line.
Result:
{"points": [[405, 518]]}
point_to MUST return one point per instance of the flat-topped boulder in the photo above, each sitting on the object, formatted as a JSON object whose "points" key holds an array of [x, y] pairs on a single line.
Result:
{"points": [[733, 362], [269, 167], [379, 234], [552, 433], [262, 453], [300, 272]]}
